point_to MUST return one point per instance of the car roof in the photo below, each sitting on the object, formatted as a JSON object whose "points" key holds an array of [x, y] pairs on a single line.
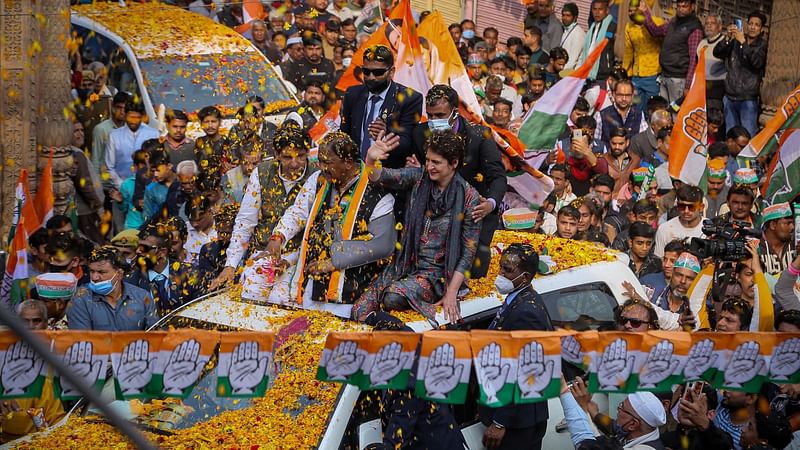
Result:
{"points": [[157, 30]]}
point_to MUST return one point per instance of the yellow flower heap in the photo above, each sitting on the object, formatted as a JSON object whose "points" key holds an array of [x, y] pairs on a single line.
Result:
{"points": [[565, 253], [267, 423]]}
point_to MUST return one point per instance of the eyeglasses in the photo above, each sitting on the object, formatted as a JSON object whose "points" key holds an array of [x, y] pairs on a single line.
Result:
{"points": [[375, 72], [621, 409], [686, 206], [636, 323]]}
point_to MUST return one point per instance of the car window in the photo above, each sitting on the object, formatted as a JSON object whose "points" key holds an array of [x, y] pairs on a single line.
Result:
{"points": [[96, 47], [582, 307]]}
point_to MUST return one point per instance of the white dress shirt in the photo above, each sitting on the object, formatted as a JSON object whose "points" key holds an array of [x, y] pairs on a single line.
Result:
{"points": [[122, 142]]}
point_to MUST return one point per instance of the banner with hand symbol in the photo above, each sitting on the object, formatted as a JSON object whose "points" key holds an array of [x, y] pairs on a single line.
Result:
{"points": [[615, 367], [707, 355], [245, 359], [748, 362], [495, 359], [86, 353], [182, 357], [389, 360], [445, 362], [665, 355], [342, 360], [538, 365], [23, 372], [133, 357]]}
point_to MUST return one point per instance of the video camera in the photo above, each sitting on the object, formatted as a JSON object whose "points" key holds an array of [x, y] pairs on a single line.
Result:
{"points": [[726, 241]]}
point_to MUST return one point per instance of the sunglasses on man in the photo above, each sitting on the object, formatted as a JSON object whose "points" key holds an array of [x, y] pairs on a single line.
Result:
{"points": [[636, 323], [374, 72]]}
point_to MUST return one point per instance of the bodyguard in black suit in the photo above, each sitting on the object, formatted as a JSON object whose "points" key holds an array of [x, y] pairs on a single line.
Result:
{"points": [[380, 104], [482, 167], [520, 426]]}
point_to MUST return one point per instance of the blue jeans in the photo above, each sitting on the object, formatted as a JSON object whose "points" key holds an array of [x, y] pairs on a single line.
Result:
{"points": [[741, 112], [646, 87]]}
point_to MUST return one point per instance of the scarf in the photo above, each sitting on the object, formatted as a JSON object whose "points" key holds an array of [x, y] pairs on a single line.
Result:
{"points": [[590, 43], [580, 168], [348, 225], [424, 204]]}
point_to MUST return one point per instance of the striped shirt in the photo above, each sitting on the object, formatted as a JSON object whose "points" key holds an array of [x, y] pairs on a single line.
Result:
{"points": [[724, 421]]}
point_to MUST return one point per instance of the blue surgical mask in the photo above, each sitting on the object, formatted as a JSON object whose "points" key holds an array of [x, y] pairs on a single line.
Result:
{"points": [[439, 124], [102, 287], [619, 432], [468, 34]]}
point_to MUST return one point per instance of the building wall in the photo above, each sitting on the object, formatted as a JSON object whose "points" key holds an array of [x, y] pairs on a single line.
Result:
{"points": [[451, 10], [508, 15]]}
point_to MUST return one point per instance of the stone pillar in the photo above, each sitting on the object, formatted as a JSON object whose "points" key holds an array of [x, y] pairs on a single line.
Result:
{"points": [[53, 128], [18, 102], [34, 90]]}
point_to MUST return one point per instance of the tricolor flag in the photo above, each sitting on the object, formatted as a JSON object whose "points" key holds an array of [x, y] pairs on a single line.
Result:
{"points": [[688, 152], [545, 122], [409, 66], [24, 208], [15, 279], [44, 194], [783, 181], [787, 117], [445, 362]]}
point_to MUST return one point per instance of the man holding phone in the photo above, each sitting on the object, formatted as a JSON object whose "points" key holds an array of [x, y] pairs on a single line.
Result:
{"points": [[744, 51]]}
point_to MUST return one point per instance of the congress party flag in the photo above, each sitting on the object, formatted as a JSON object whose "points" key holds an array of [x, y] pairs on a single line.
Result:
{"points": [[23, 371], [328, 123], [343, 358], [787, 117], [251, 10], [783, 181], [133, 357], [86, 354], [495, 358], [15, 278], [545, 122], [538, 366], [181, 358], [243, 368], [444, 367], [390, 357], [687, 150], [706, 356]]}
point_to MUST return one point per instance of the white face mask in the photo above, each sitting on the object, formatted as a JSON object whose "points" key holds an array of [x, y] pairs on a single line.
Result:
{"points": [[504, 285], [346, 62]]}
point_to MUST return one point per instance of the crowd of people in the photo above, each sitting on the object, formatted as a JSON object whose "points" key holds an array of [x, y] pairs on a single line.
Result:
{"points": [[396, 214]]}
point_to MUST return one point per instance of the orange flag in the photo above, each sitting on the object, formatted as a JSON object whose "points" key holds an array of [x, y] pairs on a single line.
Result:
{"points": [[329, 122], [44, 194], [25, 203]]}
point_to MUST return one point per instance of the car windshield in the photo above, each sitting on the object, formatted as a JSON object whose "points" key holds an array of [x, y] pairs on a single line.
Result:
{"points": [[192, 82]]}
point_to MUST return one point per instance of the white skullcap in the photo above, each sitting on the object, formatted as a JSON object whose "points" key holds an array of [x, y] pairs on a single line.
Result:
{"points": [[294, 40], [649, 408]]}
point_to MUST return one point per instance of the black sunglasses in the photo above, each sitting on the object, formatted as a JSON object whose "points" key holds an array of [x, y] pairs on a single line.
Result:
{"points": [[636, 323], [375, 72]]}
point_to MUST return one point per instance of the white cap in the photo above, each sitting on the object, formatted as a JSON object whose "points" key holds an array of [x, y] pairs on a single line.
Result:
{"points": [[649, 408]]}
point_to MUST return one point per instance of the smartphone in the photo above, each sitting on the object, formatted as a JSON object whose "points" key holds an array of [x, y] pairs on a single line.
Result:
{"points": [[738, 22], [577, 134]]}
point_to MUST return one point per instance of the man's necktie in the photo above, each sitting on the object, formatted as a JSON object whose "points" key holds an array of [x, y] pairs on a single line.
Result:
{"points": [[365, 138]]}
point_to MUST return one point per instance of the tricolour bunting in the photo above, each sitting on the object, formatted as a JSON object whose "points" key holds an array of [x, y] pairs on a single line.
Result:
{"points": [[390, 357], [23, 371], [706, 357], [445, 362], [243, 368], [133, 358], [343, 358], [86, 354], [494, 355], [181, 358], [615, 367], [538, 365], [783, 181], [747, 362], [665, 355]]}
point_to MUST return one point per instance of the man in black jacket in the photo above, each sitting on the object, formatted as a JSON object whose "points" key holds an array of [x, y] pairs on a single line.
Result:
{"points": [[745, 55], [520, 426], [482, 166], [696, 411], [380, 104]]}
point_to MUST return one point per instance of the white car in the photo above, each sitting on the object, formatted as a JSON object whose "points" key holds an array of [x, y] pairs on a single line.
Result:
{"points": [[173, 58], [580, 298]]}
